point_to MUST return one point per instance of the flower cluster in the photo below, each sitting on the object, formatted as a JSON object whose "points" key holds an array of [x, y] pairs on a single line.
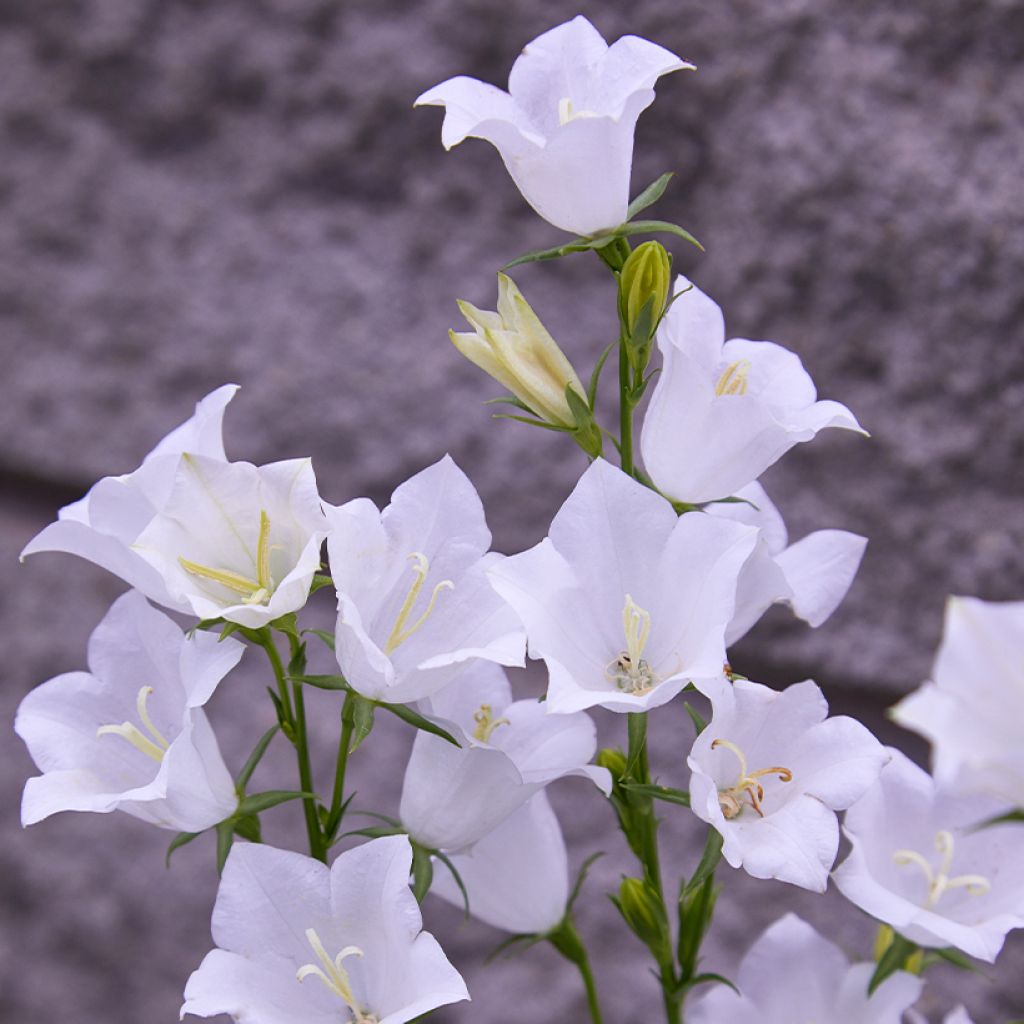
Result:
{"points": [[651, 569]]}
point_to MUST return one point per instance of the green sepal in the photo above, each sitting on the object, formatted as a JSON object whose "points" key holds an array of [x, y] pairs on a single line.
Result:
{"points": [[359, 711], [580, 244], [511, 400], [206, 624], [567, 941], [180, 840], [422, 872], [243, 777], [532, 423], [415, 719], [446, 861], [696, 909], [288, 625], [1002, 819], [595, 377], [248, 827], [228, 630], [323, 634], [654, 792], [951, 956], [656, 227], [525, 941], [324, 682], [638, 345], [709, 860], [650, 195], [708, 977], [297, 663], [225, 837], [696, 717], [587, 433], [259, 802], [320, 580], [374, 832], [282, 717], [581, 877], [894, 959]]}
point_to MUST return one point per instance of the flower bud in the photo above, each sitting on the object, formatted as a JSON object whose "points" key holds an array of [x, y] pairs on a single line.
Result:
{"points": [[646, 277], [614, 760], [644, 913], [515, 348]]}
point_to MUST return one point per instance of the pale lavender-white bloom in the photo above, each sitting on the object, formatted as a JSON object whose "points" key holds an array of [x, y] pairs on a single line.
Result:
{"points": [[453, 796], [921, 864], [565, 127], [812, 576], [414, 603], [516, 877], [301, 943], [792, 973], [102, 526], [626, 601], [723, 411], [769, 773], [972, 709], [237, 541], [130, 734]]}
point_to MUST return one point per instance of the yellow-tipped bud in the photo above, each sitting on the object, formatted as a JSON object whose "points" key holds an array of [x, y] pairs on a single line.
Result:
{"points": [[515, 348], [646, 277]]}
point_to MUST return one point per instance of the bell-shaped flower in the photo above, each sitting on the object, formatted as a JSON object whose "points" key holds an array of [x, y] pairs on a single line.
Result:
{"points": [[565, 127], [769, 773], [517, 877], [301, 943], [453, 796], [130, 734], [626, 601], [723, 411], [812, 576], [237, 541], [414, 603], [792, 973], [515, 348], [973, 708], [103, 526], [921, 863]]}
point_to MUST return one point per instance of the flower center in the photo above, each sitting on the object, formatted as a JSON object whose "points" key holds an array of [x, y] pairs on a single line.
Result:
{"points": [[567, 113], [252, 591], [486, 723], [748, 791], [400, 632], [154, 745], [734, 380], [939, 881], [630, 672], [334, 976]]}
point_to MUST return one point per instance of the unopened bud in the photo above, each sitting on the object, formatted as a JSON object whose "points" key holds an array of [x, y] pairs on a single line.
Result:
{"points": [[515, 348], [644, 913], [646, 278], [614, 760]]}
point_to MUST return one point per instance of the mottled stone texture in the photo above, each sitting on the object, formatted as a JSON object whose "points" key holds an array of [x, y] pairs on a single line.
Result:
{"points": [[196, 192]]}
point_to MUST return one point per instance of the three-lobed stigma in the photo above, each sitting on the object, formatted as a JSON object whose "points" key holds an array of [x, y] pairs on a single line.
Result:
{"points": [[938, 879], [154, 745], [334, 976]]}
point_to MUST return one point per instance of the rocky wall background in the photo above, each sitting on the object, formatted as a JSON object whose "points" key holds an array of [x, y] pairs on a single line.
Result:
{"points": [[198, 191]]}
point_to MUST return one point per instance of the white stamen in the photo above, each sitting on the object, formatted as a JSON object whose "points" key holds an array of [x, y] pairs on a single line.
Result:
{"points": [[153, 746], [629, 671], [334, 976], [939, 882], [399, 632], [730, 799]]}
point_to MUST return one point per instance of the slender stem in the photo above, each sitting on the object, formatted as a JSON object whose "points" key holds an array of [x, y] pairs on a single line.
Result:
{"points": [[568, 942], [625, 413], [337, 798], [593, 1004], [295, 712]]}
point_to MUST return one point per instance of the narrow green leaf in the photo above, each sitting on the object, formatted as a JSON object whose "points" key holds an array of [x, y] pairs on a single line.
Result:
{"points": [[225, 837], [532, 423], [327, 638], [271, 798], [650, 195], [361, 711], [243, 777], [415, 719], [373, 832], [510, 400], [1002, 819], [526, 941], [180, 840], [229, 628], [297, 664], [320, 580], [554, 253], [708, 862], [657, 227], [446, 861], [696, 717], [892, 960], [327, 682], [596, 376], [422, 872], [708, 976], [666, 793]]}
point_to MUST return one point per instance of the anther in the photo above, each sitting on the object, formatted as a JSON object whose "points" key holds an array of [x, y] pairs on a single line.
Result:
{"points": [[630, 671], [731, 799], [486, 723], [734, 380], [252, 591], [399, 632]]}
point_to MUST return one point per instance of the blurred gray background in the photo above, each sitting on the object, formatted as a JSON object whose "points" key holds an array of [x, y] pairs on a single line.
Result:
{"points": [[199, 192]]}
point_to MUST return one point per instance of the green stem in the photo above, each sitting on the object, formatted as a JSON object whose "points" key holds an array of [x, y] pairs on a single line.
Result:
{"points": [[568, 942], [338, 797], [295, 710], [625, 413]]}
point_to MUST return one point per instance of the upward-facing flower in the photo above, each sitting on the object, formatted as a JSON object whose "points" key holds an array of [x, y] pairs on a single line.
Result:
{"points": [[921, 863], [973, 708], [812, 576], [130, 734], [414, 603], [453, 796], [723, 411], [515, 348], [103, 526], [626, 601], [565, 127], [792, 973], [769, 773], [301, 943]]}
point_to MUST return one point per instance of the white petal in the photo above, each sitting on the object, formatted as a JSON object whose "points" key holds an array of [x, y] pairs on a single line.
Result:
{"points": [[820, 569]]}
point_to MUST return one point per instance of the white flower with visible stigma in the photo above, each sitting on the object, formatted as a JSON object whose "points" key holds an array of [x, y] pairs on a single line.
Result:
{"points": [[565, 127], [921, 863], [103, 526], [130, 734], [812, 576], [793, 975], [453, 796], [414, 603], [237, 541], [769, 772], [973, 708], [301, 943], [723, 411], [626, 601]]}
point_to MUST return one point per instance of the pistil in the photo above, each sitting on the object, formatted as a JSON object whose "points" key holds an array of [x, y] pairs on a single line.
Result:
{"points": [[486, 723], [939, 881], [400, 632], [154, 745], [734, 380], [334, 976], [630, 671], [567, 113], [252, 591], [748, 785]]}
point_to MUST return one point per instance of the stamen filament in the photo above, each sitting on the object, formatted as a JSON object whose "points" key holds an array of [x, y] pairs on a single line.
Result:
{"points": [[252, 591], [334, 976], [263, 554], [629, 671], [153, 746], [734, 380], [399, 632], [939, 882], [486, 723], [225, 577], [730, 799]]}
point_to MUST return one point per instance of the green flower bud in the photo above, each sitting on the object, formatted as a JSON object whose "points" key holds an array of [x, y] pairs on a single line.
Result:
{"points": [[614, 760], [645, 277], [644, 913]]}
